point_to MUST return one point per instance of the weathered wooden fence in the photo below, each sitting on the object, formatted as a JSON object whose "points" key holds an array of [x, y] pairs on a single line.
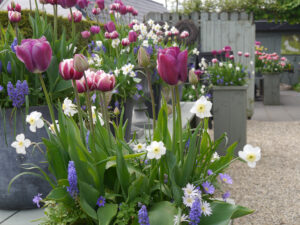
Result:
{"points": [[217, 30]]}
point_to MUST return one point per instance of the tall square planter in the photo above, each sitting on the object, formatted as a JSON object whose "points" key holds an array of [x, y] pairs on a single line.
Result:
{"points": [[272, 89], [230, 115]]}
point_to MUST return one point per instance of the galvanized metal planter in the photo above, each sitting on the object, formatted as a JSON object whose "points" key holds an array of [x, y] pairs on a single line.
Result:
{"points": [[272, 89], [25, 187], [230, 115]]}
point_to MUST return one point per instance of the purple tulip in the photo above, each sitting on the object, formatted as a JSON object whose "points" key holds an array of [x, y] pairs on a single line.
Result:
{"points": [[172, 65], [132, 36], [110, 27], [82, 3], [100, 4], [35, 54], [123, 10], [67, 3], [95, 29]]}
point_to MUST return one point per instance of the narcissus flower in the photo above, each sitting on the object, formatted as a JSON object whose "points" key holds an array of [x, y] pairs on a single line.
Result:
{"points": [[202, 108], [69, 108], [250, 154], [35, 120], [36, 54], [21, 144], [156, 150], [95, 114], [139, 147]]}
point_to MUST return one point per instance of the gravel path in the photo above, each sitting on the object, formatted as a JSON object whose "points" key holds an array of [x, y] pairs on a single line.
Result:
{"points": [[273, 187]]}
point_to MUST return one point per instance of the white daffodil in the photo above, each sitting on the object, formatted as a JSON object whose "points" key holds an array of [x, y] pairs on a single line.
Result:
{"points": [[99, 43], [250, 154], [115, 43], [94, 115], [156, 150], [202, 108], [117, 72], [205, 208], [52, 128], [156, 27], [21, 144], [150, 22], [220, 64], [203, 63], [174, 30], [145, 43], [215, 157], [237, 68], [175, 44], [69, 108], [166, 26], [136, 27], [35, 121], [183, 218], [195, 51], [190, 190], [188, 200], [230, 65], [139, 147]]}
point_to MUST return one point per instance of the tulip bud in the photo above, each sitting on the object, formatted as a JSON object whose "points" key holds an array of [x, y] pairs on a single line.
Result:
{"points": [[184, 34], [110, 27], [247, 54], [80, 85], [14, 16], [116, 111], [214, 52], [129, 8], [193, 77], [107, 35], [95, 29], [114, 35], [143, 57], [77, 15], [96, 11], [104, 82], [231, 57], [135, 13], [123, 10], [240, 53], [80, 63], [214, 60], [85, 34], [67, 70]]}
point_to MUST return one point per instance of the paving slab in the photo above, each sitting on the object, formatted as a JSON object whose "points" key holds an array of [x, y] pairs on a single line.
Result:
{"points": [[4, 214], [24, 217]]}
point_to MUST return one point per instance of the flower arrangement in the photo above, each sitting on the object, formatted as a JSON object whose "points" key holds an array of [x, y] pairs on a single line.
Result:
{"points": [[169, 177], [269, 63], [228, 72]]}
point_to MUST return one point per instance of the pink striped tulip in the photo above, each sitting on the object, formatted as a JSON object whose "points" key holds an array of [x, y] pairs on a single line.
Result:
{"points": [[125, 42], [129, 9], [114, 35], [77, 15], [240, 53], [231, 57], [36, 54], [247, 54], [184, 34], [96, 11], [14, 7], [214, 60], [172, 65], [80, 85], [135, 13], [104, 82], [14, 16], [67, 70]]}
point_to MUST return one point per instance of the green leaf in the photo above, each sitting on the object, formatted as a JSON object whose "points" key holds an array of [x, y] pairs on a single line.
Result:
{"points": [[138, 187], [162, 213], [89, 193], [88, 209], [107, 213], [58, 194], [223, 212]]}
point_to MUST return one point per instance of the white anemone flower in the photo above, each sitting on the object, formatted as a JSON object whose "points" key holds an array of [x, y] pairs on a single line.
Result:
{"points": [[21, 144], [35, 121], [202, 108], [250, 154], [156, 150], [190, 190], [139, 147], [94, 115], [205, 208], [188, 200], [69, 108], [183, 218]]}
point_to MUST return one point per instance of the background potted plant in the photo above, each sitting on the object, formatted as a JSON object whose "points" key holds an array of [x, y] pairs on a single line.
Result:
{"points": [[229, 98]]}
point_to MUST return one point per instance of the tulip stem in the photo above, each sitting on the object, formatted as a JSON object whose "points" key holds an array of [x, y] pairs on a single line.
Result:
{"points": [[89, 105], [174, 118], [179, 120], [79, 111], [55, 22], [105, 111], [152, 99], [48, 102], [73, 25], [17, 32]]}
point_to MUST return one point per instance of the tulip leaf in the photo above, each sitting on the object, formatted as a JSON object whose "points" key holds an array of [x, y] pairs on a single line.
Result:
{"points": [[107, 213], [223, 212], [88, 209], [162, 213]]}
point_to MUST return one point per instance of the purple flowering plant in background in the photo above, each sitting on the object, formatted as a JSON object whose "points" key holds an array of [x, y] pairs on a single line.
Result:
{"points": [[143, 216], [37, 199], [17, 94], [72, 178]]}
